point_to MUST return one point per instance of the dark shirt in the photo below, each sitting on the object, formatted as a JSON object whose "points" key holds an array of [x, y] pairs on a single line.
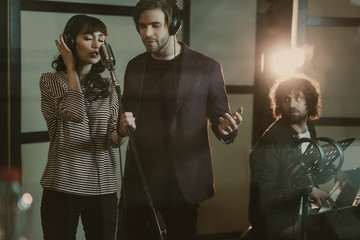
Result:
{"points": [[157, 111]]}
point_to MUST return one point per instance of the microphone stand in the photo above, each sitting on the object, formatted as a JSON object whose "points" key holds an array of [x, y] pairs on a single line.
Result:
{"points": [[139, 166], [304, 216], [300, 175], [327, 155]]}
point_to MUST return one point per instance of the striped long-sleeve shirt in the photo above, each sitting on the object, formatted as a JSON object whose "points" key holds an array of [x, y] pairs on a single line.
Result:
{"points": [[81, 158]]}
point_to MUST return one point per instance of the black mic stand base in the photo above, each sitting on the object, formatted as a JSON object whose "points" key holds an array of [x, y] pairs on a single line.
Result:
{"points": [[304, 216]]}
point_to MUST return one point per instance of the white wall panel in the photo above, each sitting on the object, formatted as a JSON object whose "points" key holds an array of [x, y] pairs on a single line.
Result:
{"points": [[227, 210], [335, 64], [225, 30]]}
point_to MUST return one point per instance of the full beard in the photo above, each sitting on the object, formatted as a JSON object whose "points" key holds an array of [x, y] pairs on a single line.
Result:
{"points": [[295, 119]]}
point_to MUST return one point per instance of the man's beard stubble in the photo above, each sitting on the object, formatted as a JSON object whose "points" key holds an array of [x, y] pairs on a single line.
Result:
{"points": [[161, 44]]}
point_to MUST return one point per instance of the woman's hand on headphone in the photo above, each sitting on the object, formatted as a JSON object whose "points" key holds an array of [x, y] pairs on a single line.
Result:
{"points": [[66, 54]]}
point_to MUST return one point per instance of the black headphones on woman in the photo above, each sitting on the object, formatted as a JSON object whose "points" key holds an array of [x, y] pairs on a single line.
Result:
{"points": [[69, 39]]}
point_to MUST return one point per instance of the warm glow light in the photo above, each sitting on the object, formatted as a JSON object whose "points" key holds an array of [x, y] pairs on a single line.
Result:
{"points": [[287, 62]]}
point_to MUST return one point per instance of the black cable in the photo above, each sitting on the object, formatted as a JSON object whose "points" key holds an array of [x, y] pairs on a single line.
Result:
{"points": [[93, 143], [175, 73], [122, 189]]}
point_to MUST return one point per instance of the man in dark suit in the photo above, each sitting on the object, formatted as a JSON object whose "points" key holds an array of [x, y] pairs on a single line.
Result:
{"points": [[173, 92]]}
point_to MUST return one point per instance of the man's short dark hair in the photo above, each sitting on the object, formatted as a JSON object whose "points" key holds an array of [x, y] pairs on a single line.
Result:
{"points": [[309, 87], [143, 5]]}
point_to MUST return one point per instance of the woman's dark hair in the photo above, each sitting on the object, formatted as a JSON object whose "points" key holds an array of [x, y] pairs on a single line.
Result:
{"points": [[95, 85], [309, 87]]}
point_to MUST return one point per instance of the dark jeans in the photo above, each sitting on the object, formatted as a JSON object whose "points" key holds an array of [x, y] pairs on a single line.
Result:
{"points": [[136, 223], [60, 214], [180, 223]]}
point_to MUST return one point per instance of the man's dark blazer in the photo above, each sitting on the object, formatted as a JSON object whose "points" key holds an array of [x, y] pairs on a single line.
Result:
{"points": [[274, 205], [201, 97]]}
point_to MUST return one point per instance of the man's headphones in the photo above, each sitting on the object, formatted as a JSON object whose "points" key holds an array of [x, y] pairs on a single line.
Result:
{"points": [[174, 26]]}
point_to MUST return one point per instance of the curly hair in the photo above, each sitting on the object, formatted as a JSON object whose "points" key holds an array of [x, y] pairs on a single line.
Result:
{"points": [[309, 87], [95, 85]]}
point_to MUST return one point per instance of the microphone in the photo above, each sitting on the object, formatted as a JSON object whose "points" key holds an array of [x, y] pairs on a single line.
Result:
{"points": [[107, 56], [108, 60]]}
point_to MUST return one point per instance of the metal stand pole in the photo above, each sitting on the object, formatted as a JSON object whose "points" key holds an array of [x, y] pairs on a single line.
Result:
{"points": [[137, 160], [304, 216]]}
